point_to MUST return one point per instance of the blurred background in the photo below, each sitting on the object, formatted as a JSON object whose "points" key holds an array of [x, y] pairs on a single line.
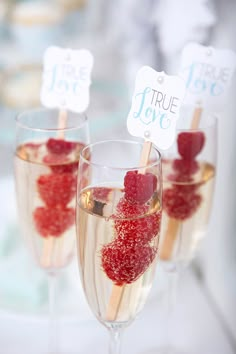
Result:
{"points": [[122, 35]]}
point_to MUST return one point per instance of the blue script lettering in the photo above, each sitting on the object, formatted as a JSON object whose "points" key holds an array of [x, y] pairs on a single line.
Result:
{"points": [[148, 114], [203, 77], [165, 122], [60, 82], [216, 90], [143, 97], [53, 77]]}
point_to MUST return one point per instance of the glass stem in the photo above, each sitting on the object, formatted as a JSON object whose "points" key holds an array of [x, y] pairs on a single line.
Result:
{"points": [[53, 339], [172, 282], [172, 291], [115, 340]]}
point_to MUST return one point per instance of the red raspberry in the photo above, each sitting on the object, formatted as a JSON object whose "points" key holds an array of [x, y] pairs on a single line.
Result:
{"points": [[127, 257], [187, 189], [101, 193], [139, 187], [124, 263], [60, 164], [60, 146], [33, 146], [139, 230], [185, 167], [67, 168], [31, 150], [179, 203], [132, 224], [53, 222], [57, 189], [124, 209], [190, 144], [178, 178]]}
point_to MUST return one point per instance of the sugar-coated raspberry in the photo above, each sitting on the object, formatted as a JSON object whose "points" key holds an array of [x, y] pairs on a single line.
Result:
{"points": [[190, 144], [139, 230], [185, 167], [57, 189], [139, 188], [33, 146], [60, 146], [129, 255], [187, 189], [31, 151], [180, 203], [60, 164], [179, 178], [53, 221], [125, 209], [101, 193], [66, 168], [124, 263]]}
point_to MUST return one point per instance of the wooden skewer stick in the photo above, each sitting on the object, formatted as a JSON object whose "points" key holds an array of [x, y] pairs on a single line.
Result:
{"points": [[46, 257], [48, 243], [171, 233], [145, 155], [114, 302], [62, 120], [117, 292], [168, 242], [196, 117]]}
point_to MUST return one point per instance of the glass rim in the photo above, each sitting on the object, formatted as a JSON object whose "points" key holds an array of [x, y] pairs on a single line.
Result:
{"points": [[124, 141], [38, 110]]}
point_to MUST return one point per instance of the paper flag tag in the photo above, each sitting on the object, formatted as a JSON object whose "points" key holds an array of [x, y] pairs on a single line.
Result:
{"points": [[155, 106], [207, 73], [66, 79]]}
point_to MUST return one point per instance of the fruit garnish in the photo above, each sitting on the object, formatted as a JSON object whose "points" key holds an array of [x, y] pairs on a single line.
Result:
{"points": [[185, 167], [57, 189], [128, 256], [124, 263], [139, 230], [60, 146], [53, 221], [181, 203], [190, 144], [67, 168], [139, 188], [125, 209], [33, 146], [101, 193], [30, 151], [60, 164], [178, 178]]}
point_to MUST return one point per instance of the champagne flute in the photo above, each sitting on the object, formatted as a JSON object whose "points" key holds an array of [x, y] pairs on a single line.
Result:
{"points": [[46, 164], [189, 169], [118, 225]]}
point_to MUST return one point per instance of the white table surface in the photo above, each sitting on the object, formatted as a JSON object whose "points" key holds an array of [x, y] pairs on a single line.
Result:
{"points": [[195, 328]]}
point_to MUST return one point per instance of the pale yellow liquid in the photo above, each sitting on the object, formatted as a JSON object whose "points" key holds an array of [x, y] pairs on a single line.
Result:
{"points": [[50, 252], [184, 236], [95, 229]]}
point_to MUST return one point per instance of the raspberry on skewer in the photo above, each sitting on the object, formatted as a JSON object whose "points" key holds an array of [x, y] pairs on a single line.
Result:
{"points": [[126, 258], [182, 200]]}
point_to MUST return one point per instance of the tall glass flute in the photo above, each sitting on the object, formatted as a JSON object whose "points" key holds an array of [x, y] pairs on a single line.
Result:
{"points": [[189, 169], [46, 164], [118, 225]]}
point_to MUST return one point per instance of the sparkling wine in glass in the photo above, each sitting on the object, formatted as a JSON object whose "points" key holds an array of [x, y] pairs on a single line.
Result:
{"points": [[189, 169], [46, 164], [118, 224]]}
